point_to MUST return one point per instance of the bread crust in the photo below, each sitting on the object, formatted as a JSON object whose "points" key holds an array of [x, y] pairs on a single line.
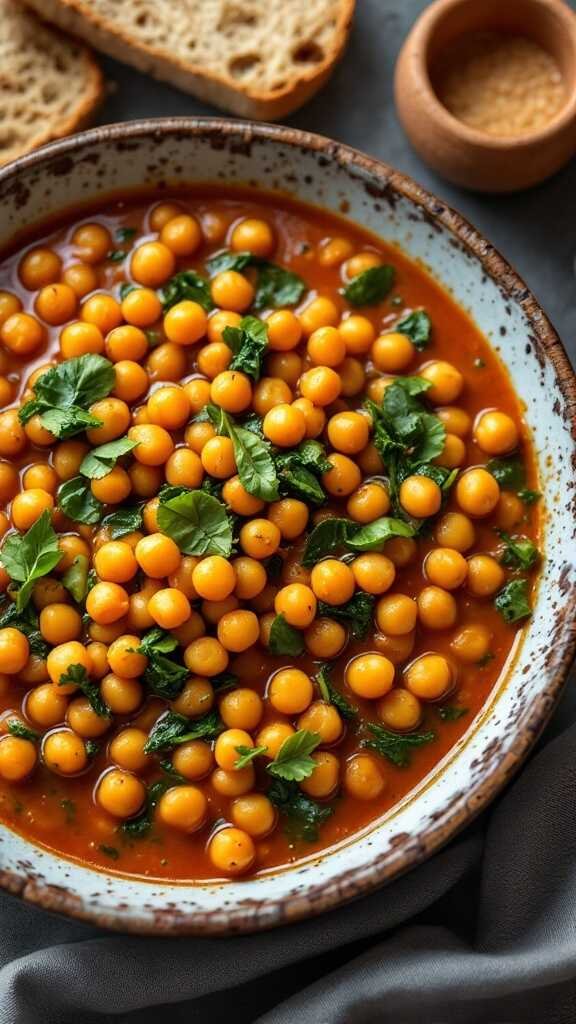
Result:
{"points": [[74, 17]]}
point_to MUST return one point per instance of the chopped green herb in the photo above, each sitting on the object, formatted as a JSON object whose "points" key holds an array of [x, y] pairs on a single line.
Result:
{"points": [[417, 326], [77, 674], [247, 755], [123, 521], [395, 746], [125, 288], [28, 557], [125, 234], [173, 729], [17, 728], [303, 815], [187, 285], [75, 499], [285, 639], [512, 601], [293, 762], [519, 552], [92, 748], [253, 459], [69, 808], [529, 497], [162, 676], [485, 659], [451, 712], [197, 522], [356, 614], [100, 461], [75, 579], [509, 473], [249, 343], [276, 287], [335, 533], [26, 621], [116, 255], [370, 287], [63, 394], [331, 695]]}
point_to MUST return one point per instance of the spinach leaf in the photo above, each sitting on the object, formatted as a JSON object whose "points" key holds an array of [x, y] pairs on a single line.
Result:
{"points": [[451, 712], [335, 533], [125, 234], [331, 695], [75, 499], [123, 521], [75, 579], [277, 287], [285, 639], [172, 729], [298, 471], [509, 473], [303, 815], [519, 552], [223, 681], [396, 746], [410, 422], [157, 641], [187, 285], [247, 755], [293, 762], [356, 614], [27, 558], [77, 674], [249, 343], [529, 497], [116, 255], [227, 260], [100, 461], [26, 621], [197, 522], [255, 464], [370, 287], [63, 394], [417, 326], [162, 676], [512, 601], [17, 728]]}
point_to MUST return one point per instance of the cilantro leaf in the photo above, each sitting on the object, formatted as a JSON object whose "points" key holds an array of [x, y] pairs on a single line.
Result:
{"points": [[417, 326], [227, 260], [356, 614], [123, 521], [293, 762], [249, 343], [336, 532], [29, 557], [197, 522], [303, 815], [247, 755], [512, 601], [77, 674], [331, 695], [173, 729], [396, 746], [157, 641], [370, 287], [285, 639], [63, 394], [162, 676], [17, 728], [277, 287], [100, 461], [75, 579], [75, 499], [519, 552], [509, 473], [188, 284]]}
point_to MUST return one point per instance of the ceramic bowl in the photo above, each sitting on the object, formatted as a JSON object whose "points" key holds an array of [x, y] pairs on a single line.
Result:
{"points": [[158, 153]]}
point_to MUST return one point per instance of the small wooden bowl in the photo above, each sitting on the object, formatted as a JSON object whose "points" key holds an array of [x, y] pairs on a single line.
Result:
{"points": [[465, 155]]}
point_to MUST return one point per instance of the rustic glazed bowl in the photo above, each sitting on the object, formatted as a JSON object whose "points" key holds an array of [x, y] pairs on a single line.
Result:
{"points": [[462, 154], [160, 153]]}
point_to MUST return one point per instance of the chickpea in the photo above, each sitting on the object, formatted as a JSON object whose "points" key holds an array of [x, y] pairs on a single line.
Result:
{"points": [[194, 760], [182, 235], [285, 365], [123, 657], [184, 469], [115, 416], [348, 432], [120, 793], [324, 779], [320, 312], [284, 330], [445, 380], [364, 779], [141, 307], [471, 643], [437, 608], [270, 391], [238, 630], [64, 752], [127, 750], [59, 623], [103, 311], [260, 538], [332, 581], [48, 591], [485, 575], [455, 531], [297, 603], [114, 562], [112, 488], [290, 516], [92, 242], [400, 710], [362, 262], [12, 436], [60, 660], [232, 391], [14, 650], [344, 477], [197, 435], [17, 758], [22, 334], [392, 352], [106, 603], [321, 385], [218, 460], [167, 362], [39, 476], [373, 573], [169, 608], [71, 547], [150, 515], [152, 264], [446, 567], [315, 418], [272, 736], [56, 303], [9, 304], [290, 691], [195, 699], [368, 503], [154, 444], [370, 675], [232, 290], [185, 323], [67, 458], [326, 347], [396, 614], [232, 851], [352, 377], [456, 420], [184, 808], [420, 496], [477, 492], [253, 235], [284, 426], [250, 577], [214, 578], [334, 251], [206, 657], [233, 783], [81, 277], [255, 814], [39, 267], [453, 454], [496, 433], [83, 719], [324, 720], [46, 705], [123, 696], [161, 214], [214, 358], [358, 334], [429, 677], [237, 497], [98, 654], [325, 638], [9, 481], [241, 708]]}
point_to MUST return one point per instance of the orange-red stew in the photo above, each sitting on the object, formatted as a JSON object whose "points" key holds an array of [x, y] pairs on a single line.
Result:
{"points": [[269, 532]]}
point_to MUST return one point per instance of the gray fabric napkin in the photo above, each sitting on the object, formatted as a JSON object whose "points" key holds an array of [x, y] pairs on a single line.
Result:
{"points": [[484, 933]]}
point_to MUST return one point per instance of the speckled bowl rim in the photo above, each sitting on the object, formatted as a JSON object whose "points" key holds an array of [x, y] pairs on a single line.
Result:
{"points": [[381, 181]]}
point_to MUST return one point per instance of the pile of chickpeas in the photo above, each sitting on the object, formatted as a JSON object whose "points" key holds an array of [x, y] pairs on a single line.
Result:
{"points": [[320, 365]]}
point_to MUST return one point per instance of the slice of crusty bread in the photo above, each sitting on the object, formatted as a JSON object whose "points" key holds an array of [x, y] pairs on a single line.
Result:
{"points": [[255, 58], [49, 83]]}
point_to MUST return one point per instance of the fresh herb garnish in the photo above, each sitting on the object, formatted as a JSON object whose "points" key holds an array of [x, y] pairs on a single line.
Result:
{"points": [[75, 499], [173, 729], [26, 621], [62, 395], [247, 755], [123, 521], [303, 815], [140, 826], [519, 552], [293, 762], [298, 471], [100, 461], [276, 287], [197, 522], [356, 614], [17, 728], [512, 601], [29, 557], [109, 851], [284, 638], [162, 676], [529, 497], [253, 459], [116, 255], [334, 533], [125, 234], [77, 674], [509, 473], [370, 287], [451, 712], [331, 695], [395, 746], [249, 343], [187, 285], [75, 579], [417, 326]]}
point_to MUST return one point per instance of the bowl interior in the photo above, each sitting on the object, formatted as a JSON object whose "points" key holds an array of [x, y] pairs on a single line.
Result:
{"points": [[159, 154]]}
